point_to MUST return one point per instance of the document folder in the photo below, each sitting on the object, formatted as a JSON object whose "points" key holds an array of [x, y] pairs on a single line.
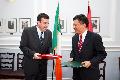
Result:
{"points": [[50, 56], [72, 64]]}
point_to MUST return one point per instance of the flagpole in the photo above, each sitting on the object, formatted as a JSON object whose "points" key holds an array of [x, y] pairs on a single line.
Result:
{"points": [[53, 65]]}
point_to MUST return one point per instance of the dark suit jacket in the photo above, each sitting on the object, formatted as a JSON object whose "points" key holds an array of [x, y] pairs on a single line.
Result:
{"points": [[92, 50], [30, 44]]}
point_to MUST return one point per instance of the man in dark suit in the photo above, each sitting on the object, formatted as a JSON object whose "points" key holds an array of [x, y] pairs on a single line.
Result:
{"points": [[35, 41], [89, 52]]}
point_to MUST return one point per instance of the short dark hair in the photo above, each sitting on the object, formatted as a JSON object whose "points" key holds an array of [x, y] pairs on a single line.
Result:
{"points": [[82, 18], [42, 15]]}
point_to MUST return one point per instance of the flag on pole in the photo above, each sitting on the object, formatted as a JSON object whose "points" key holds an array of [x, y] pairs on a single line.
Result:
{"points": [[90, 28], [56, 45]]}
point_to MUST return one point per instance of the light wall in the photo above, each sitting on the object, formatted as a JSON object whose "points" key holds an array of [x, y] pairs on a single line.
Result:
{"points": [[107, 10]]}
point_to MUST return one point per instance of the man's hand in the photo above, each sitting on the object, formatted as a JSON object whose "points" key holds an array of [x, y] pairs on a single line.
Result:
{"points": [[86, 64], [36, 56]]}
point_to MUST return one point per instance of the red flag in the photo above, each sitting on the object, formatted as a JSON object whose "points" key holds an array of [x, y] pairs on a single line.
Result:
{"points": [[90, 28]]}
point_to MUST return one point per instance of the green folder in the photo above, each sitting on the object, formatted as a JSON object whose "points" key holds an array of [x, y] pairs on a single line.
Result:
{"points": [[72, 64]]}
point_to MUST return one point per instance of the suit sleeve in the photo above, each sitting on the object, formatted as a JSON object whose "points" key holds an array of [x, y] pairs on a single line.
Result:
{"points": [[24, 44], [99, 49]]}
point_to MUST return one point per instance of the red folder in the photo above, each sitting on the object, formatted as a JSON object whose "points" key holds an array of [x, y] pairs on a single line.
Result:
{"points": [[49, 56]]}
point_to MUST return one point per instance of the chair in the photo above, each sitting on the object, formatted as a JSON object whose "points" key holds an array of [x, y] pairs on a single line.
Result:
{"points": [[6, 64], [19, 60], [19, 72], [7, 67], [102, 66]]}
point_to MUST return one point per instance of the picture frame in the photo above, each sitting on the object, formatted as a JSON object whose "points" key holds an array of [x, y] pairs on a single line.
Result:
{"points": [[11, 25], [24, 22], [63, 26], [72, 30], [1, 22], [96, 24], [1, 25]]}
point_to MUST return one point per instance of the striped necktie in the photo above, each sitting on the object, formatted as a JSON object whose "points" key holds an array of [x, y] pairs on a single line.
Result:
{"points": [[41, 38], [80, 43]]}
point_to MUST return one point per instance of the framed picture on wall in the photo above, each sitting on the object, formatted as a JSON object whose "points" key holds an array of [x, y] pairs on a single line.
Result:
{"points": [[11, 25], [1, 22], [96, 24], [63, 25], [24, 22], [1, 25]]}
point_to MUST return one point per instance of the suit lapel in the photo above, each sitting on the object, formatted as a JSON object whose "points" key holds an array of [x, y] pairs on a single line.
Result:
{"points": [[75, 41], [35, 36], [86, 40], [35, 33]]}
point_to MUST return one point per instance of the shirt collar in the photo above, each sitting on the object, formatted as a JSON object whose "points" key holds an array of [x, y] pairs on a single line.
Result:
{"points": [[83, 36], [39, 32]]}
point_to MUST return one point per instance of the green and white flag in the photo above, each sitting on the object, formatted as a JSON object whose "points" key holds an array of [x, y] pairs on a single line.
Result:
{"points": [[56, 45]]}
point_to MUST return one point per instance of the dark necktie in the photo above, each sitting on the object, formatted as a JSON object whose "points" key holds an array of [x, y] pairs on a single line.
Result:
{"points": [[80, 43], [41, 38]]}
